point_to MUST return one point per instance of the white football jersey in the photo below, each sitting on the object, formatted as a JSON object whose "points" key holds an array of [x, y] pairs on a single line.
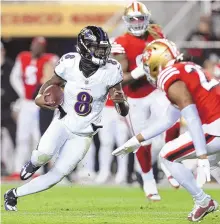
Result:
{"points": [[84, 98]]}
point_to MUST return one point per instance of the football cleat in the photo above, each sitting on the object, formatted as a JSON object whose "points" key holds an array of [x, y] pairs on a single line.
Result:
{"points": [[154, 197], [173, 182], [10, 200], [28, 170], [199, 212]]}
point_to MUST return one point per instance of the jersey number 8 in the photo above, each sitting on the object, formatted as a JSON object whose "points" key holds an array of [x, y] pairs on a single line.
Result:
{"points": [[203, 80], [83, 105]]}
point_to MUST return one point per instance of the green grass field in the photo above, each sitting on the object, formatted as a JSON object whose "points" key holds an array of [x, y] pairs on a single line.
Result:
{"points": [[103, 205]]}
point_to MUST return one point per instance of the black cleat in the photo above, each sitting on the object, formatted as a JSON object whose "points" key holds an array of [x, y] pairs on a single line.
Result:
{"points": [[28, 170], [10, 200]]}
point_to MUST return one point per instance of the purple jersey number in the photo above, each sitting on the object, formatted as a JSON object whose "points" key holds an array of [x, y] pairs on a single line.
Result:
{"points": [[83, 106]]}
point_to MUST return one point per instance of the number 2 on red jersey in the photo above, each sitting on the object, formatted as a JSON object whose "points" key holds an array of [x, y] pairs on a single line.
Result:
{"points": [[202, 77]]}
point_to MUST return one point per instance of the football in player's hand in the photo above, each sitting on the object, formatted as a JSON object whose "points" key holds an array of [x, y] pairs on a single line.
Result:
{"points": [[53, 95]]}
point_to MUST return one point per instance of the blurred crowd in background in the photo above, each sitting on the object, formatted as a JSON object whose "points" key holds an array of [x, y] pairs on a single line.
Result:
{"points": [[22, 123]]}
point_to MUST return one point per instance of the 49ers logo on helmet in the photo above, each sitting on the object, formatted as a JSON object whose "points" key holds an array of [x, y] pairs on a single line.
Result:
{"points": [[147, 55]]}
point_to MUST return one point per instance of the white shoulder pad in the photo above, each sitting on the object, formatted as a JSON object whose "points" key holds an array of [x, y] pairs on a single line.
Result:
{"points": [[66, 61], [115, 73]]}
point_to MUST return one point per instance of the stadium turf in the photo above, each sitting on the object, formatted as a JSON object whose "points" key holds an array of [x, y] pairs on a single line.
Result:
{"points": [[103, 205]]}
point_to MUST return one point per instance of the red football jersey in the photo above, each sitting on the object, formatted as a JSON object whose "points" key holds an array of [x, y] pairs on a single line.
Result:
{"points": [[203, 91], [32, 70], [134, 48], [209, 76]]}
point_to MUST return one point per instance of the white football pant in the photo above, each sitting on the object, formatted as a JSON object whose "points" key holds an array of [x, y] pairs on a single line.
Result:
{"points": [[115, 130], [71, 149], [28, 133]]}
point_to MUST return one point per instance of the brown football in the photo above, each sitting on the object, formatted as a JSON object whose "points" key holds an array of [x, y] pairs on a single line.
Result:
{"points": [[55, 94]]}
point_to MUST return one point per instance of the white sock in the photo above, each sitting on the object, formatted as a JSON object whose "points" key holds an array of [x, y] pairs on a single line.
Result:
{"points": [[122, 166], [40, 183], [150, 186], [185, 177], [105, 159], [202, 199]]}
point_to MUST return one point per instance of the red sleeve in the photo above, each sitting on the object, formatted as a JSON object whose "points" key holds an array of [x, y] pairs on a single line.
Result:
{"points": [[168, 76], [122, 40]]}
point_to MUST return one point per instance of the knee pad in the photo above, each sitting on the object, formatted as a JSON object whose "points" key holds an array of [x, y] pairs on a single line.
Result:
{"points": [[39, 158]]}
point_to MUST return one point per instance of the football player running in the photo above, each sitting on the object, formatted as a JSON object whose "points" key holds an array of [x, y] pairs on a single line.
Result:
{"points": [[140, 93], [194, 98], [89, 75]]}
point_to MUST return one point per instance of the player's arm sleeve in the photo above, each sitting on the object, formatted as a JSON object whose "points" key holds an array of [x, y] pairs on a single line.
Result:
{"points": [[162, 123], [16, 78], [194, 124]]}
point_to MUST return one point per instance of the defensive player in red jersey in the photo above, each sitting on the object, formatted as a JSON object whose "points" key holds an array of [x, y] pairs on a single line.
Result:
{"points": [[25, 77], [212, 69], [194, 98], [115, 130], [140, 93]]}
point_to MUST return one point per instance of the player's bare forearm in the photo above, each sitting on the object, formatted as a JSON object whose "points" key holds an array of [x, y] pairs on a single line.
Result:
{"points": [[40, 101], [54, 80], [118, 97]]}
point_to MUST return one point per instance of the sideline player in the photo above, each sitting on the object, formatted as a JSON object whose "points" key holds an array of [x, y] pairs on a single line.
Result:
{"points": [[115, 130], [213, 71], [25, 78], [194, 98], [139, 92], [90, 75]]}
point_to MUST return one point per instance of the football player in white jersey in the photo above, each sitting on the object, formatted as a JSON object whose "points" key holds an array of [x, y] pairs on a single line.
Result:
{"points": [[89, 75]]}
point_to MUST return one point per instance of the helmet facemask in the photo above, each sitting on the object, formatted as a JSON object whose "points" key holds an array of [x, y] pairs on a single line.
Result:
{"points": [[137, 24], [137, 18], [99, 53]]}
